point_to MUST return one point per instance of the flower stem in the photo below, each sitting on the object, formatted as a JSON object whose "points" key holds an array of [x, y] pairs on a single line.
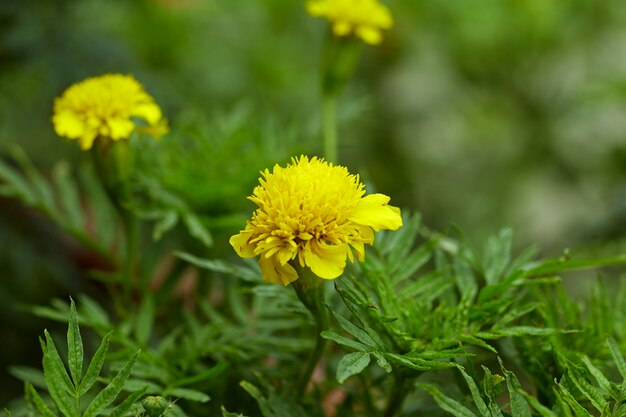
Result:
{"points": [[310, 290], [399, 390], [329, 123]]}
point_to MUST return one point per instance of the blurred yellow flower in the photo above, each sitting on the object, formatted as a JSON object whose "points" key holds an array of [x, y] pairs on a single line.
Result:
{"points": [[110, 106], [316, 213], [364, 18]]}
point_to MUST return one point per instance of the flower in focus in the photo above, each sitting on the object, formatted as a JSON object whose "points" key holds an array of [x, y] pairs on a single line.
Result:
{"points": [[313, 213], [364, 18], [110, 106]]}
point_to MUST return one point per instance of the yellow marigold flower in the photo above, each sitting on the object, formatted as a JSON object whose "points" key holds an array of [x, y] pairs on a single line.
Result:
{"points": [[364, 18], [316, 213], [109, 107]]}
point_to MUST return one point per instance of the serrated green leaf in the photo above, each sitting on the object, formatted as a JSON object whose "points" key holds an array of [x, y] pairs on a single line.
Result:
{"points": [[381, 361], [588, 390], [569, 399], [360, 334], [108, 394], [74, 346], [93, 370], [189, 394], [497, 255], [128, 402], [446, 403], [617, 356], [32, 394], [411, 263], [57, 380], [417, 363], [57, 365], [342, 340], [478, 400], [603, 382], [518, 404], [352, 364]]}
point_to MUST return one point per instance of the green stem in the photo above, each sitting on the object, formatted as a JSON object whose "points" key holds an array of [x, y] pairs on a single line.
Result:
{"points": [[399, 390], [310, 290], [131, 227], [329, 123]]}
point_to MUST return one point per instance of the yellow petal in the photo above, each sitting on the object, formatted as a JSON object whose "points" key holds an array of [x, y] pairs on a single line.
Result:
{"points": [[241, 244], [120, 128], [369, 34], [326, 261], [150, 112], [274, 272], [86, 140], [341, 28], [373, 211], [68, 124]]}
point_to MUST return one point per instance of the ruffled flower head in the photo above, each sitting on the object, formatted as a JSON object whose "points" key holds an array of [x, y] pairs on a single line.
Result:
{"points": [[111, 106], [363, 18], [311, 214]]}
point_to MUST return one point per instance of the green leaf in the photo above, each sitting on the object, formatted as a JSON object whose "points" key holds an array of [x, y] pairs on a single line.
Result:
{"points": [[534, 402], [352, 364], [342, 340], [229, 414], [32, 394], [189, 394], [264, 404], [381, 361], [480, 403], [578, 409], [553, 266], [30, 375], [446, 403], [518, 404], [588, 390], [165, 223], [603, 382], [617, 357], [128, 402], [244, 273], [360, 334], [108, 394], [57, 366], [74, 346], [497, 255], [197, 229], [95, 365], [57, 380]]}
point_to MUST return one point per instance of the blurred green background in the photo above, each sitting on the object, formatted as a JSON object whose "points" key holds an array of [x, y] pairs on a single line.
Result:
{"points": [[481, 113]]}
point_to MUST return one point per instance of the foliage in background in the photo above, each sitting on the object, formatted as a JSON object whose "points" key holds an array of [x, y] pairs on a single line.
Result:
{"points": [[481, 115]]}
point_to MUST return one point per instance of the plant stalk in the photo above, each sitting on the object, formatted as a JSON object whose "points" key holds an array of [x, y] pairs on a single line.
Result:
{"points": [[310, 290], [399, 390], [329, 124]]}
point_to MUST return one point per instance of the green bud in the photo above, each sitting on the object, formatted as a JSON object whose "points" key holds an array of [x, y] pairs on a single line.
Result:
{"points": [[155, 406]]}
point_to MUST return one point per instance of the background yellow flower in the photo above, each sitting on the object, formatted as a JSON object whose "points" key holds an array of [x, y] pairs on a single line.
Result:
{"points": [[108, 107], [363, 18], [316, 213]]}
